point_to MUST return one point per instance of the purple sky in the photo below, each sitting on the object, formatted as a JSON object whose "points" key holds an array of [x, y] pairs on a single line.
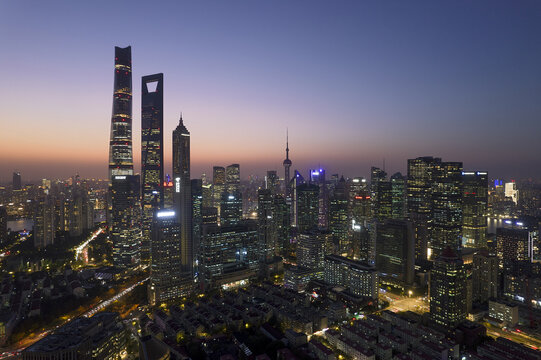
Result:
{"points": [[355, 82]]}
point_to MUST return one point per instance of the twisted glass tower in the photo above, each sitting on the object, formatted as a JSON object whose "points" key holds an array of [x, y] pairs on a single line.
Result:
{"points": [[120, 144]]}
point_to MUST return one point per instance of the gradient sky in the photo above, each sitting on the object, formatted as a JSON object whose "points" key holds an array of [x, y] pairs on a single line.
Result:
{"points": [[355, 82]]}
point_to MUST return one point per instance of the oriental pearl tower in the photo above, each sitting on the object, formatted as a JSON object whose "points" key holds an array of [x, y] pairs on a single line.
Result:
{"points": [[287, 165]]}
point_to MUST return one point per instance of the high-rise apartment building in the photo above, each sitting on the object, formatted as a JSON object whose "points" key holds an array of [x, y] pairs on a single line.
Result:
{"points": [[448, 298], [120, 144], [312, 246], [183, 193], [152, 173], [166, 277], [126, 220], [474, 208]]}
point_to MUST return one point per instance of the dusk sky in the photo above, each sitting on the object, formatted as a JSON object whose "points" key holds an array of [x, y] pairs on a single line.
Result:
{"points": [[355, 82]]}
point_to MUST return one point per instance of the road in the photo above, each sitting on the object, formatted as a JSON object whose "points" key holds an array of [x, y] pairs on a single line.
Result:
{"points": [[399, 303], [79, 249], [513, 335]]}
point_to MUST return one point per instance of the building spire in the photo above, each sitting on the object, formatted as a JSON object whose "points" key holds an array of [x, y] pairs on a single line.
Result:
{"points": [[287, 143]]}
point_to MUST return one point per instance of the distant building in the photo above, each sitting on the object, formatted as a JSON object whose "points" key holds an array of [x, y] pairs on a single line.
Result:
{"points": [[359, 278], [230, 208], [381, 194], [17, 181], [474, 209], [511, 191], [218, 186], [271, 182], [232, 178], [398, 196], [3, 225], [197, 219], [44, 227], [448, 298]]}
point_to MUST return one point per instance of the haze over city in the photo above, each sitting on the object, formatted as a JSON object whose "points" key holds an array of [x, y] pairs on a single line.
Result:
{"points": [[355, 83]]}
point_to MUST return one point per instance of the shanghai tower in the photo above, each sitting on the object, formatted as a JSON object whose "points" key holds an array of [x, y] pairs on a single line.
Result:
{"points": [[120, 145]]}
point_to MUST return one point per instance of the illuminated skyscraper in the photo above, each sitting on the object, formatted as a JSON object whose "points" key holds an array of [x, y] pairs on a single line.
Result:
{"points": [[317, 177], [446, 207], [44, 228], [151, 155], [218, 186], [271, 181], [398, 196], [230, 208], [120, 144], [287, 165], [232, 178], [166, 278], [448, 306], [419, 201], [474, 209], [126, 220], [197, 219], [338, 219], [183, 192], [266, 228]]}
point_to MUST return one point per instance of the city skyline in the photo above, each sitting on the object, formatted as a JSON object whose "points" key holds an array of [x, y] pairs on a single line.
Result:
{"points": [[378, 85]]}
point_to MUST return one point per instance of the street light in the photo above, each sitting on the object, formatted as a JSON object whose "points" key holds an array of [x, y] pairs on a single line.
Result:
{"points": [[410, 293]]}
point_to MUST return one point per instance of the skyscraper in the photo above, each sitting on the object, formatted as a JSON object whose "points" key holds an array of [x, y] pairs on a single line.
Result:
{"points": [[287, 165], [419, 201], [218, 186], [395, 250], [307, 207], [197, 219], [338, 219], [17, 182], [183, 193], [381, 194], [120, 144], [44, 228], [126, 220], [474, 209], [232, 178], [446, 207], [484, 276], [151, 155], [448, 290], [265, 219], [398, 196], [271, 181], [230, 208], [166, 280]]}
